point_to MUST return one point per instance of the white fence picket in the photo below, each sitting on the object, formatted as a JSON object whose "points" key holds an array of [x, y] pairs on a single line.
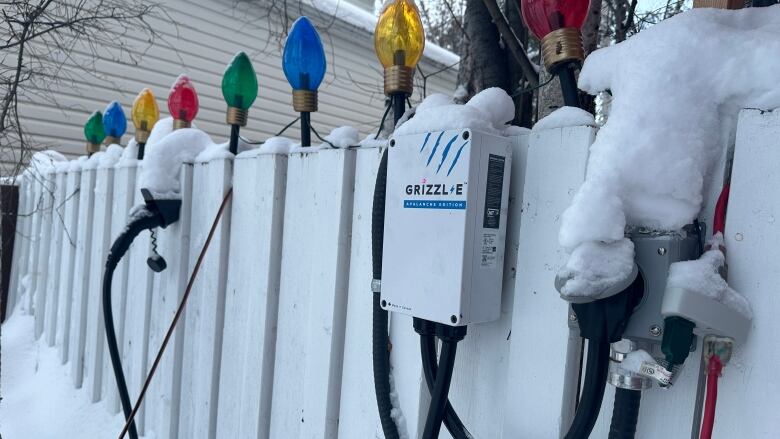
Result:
{"points": [[70, 218], [358, 415], [42, 271], [252, 300], [162, 398], [101, 230], [313, 294], [545, 384], [137, 306], [206, 307], [78, 327], [52, 284], [36, 214], [121, 202]]}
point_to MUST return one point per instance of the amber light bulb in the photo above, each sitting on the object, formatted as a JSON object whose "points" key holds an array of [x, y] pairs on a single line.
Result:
{"points": [[399, 41]]}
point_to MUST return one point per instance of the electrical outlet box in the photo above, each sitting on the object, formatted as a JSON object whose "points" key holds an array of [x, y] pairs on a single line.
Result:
{"points": [[655, 252], [445, 225]]}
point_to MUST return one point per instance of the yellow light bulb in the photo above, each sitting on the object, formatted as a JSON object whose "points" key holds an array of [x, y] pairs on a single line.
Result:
{"points": [[399, 38], [145, 112]]}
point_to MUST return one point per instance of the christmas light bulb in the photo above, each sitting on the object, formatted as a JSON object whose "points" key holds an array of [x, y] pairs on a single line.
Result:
{"points": [[239, 83], [304, 57], [94, 132], [545, 16], [183, 102], [145, 114], [114, 121], [399, 38]]}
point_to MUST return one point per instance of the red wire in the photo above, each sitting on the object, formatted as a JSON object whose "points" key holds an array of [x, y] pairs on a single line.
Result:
{"points": [[714, 368], [719, 223]]}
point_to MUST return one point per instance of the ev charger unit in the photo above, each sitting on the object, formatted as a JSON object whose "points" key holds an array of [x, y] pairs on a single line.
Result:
{"points": [[445, 226]]}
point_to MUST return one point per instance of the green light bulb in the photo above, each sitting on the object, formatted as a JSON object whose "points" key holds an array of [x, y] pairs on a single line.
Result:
{"points": [[93, 130], [239, 83]]}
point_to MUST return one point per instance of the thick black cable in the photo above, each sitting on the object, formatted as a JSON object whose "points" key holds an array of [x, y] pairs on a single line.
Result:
{"points": [[381, 340], [430, 369], [625, 414], [145, 220], [440, 390], [596, 368]]}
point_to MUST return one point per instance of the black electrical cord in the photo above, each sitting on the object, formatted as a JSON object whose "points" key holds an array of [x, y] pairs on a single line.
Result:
{"points": [[601, 322], [596, 368], [381, 340], [440, 390], [625, 414], [430, 368], [143, 221]]}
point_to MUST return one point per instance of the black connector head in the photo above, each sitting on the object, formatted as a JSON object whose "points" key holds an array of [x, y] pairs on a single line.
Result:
{"points": [[677, 339], [606, 319], [167, 210]]}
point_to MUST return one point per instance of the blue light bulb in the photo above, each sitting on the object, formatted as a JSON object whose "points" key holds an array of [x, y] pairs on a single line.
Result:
{"points": [[304, 57], [114, 120]]}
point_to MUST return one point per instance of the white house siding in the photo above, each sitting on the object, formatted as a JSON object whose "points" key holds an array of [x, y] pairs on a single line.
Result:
{"points": [[200, 39]]}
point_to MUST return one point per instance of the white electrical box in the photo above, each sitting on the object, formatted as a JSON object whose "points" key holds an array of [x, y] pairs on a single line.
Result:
{"points": [[445, 226]]}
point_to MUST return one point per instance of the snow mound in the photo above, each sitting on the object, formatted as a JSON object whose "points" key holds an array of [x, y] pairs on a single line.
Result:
{"points": [[77, 164], [43, 162], [38, 398], [594, 268], [162, 128], [129, 155], [343, 137], [163, 159], [702, 276], [111, 156], [674, 110], [274, 145], [565, 117], [214, 152], [488, 111], [93, 161]]}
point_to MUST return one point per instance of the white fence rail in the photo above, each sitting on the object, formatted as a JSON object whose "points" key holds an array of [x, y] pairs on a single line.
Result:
{"points": [[276, 339]]}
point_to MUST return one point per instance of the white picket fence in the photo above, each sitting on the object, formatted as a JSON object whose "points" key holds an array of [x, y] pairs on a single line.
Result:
{"points": [[276, 338]]}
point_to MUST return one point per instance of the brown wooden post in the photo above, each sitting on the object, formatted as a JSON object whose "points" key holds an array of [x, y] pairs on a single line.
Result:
{"points": [[9, 204]]}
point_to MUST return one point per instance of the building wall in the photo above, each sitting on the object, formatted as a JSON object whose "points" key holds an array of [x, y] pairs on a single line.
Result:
{"points": [[199, 38]]}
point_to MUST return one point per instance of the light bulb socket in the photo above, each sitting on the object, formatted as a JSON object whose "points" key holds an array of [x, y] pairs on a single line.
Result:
{"points": [[110, 140], [305, 101], [180, 123], [141, 136], [561, 46], [92, 148], [237, 116], [399, 79]]}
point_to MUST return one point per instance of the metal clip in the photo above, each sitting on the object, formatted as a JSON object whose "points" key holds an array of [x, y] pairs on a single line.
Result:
{"points": [[376, 285]]}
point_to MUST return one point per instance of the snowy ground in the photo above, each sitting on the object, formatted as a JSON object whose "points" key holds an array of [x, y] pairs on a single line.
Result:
{"points": [[38, 399]]}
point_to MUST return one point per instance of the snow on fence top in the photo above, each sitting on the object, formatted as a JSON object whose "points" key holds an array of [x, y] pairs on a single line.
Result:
{"points": [[488, 111], [677, 89]]}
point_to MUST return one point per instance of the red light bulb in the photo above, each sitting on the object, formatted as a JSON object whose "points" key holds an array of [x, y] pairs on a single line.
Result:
{"points": [[545, 16], [183, 100]]}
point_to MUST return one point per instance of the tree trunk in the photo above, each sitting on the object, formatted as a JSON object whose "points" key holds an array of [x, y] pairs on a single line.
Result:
{"points": [[483, 61]]}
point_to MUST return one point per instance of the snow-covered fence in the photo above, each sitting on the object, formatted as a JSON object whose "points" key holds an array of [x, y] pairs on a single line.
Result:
{"points": [[276, 337]]}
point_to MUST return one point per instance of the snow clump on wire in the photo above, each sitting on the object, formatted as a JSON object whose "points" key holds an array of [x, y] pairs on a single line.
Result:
{"points": [[677, 90]]}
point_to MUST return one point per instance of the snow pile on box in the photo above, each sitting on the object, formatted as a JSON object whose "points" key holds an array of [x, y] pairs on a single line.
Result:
{"points": [[488, 111], [166, 151], [677, 89]]}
